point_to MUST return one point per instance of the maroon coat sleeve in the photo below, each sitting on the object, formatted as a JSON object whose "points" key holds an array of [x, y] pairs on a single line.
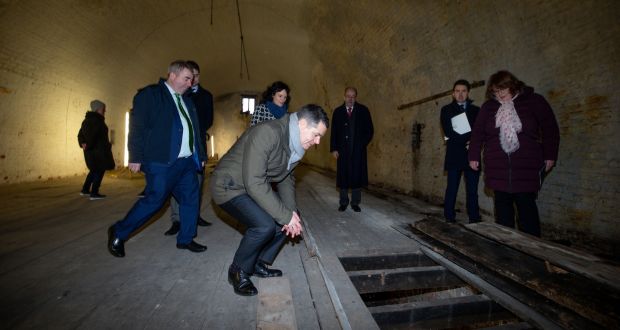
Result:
{"points": [[550, 132]]}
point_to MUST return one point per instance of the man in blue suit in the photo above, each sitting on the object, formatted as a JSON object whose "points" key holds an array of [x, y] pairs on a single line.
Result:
{"points": [[164, 143]]}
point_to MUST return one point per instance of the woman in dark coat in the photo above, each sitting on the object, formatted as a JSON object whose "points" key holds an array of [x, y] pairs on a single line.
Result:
{"points": [[521, 138], [93, 139], [274, 103]]}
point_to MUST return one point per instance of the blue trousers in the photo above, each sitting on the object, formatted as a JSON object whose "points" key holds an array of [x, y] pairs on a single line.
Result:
{"points": [[178, 179], [262, 239], [174, 205], [471, 193]]}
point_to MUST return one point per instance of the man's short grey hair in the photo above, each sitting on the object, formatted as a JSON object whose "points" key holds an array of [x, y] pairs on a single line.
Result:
{"points": [[178, 66], [313, 114]]}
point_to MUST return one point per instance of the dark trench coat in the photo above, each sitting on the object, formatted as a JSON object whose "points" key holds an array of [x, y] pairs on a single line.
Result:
{"points": [[350, 137]]}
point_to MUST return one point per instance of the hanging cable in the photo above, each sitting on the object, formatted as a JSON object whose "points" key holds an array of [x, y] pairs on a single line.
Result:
{"points": [[243, 54]]}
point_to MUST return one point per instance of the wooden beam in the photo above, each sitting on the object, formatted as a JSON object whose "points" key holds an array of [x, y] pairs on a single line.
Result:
{"points": [[475, 84], [562, 256], [383, 261], [368, 281], [275, 305], [592, 300], [441, 313]]}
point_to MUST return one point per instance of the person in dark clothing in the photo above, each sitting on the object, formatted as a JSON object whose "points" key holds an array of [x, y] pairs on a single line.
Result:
{"points": [[351, 133], [242, 185], [521, 138], [203, 100], [457, 119], [93, 139]]}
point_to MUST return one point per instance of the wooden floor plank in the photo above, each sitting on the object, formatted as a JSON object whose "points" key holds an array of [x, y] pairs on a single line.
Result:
{"points": [[562, 256]]}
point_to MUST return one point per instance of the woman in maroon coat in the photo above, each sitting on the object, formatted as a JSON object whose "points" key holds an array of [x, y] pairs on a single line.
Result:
{"points": [[520, 136]]}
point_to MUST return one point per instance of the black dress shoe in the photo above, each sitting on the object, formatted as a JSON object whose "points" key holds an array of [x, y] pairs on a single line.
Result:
{"points": [[96, 196], [115, 244], [174, 229], [261, 270], [240, 281], [192, 246], [356, 208], [203, 223], [341, 208]]}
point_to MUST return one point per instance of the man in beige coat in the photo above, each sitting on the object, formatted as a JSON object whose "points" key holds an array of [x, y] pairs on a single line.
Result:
{"points": [[241, 184]]}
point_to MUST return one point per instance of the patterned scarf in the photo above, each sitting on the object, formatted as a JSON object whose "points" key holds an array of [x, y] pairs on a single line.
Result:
{"points": [[509, 125]]}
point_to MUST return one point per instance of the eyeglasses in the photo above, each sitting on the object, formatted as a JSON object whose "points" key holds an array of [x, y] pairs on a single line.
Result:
{"points": [[499, 90]]}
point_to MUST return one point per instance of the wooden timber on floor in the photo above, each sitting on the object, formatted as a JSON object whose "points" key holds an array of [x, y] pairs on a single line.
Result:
{"points": [[574, 297]]}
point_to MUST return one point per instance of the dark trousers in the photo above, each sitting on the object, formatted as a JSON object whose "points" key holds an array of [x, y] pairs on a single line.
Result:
{"points": [[356, 196], [178, 179], [471, 193], [262, 239], [174, 205], [527, 211], [93, 182]]}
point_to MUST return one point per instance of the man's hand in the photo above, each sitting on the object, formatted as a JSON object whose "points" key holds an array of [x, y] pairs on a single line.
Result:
{"points": [[294, 227], [134, 167], [335, 154], [549, 164], [474, 165]]}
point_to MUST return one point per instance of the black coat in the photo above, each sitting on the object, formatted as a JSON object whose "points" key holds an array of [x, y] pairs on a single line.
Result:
{"points": [[350, 137], [456, 145], [203, 100], [98, 153]]}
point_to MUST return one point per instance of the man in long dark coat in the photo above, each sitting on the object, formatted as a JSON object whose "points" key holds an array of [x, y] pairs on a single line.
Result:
{"points": [[351, 133], [93, 139]]}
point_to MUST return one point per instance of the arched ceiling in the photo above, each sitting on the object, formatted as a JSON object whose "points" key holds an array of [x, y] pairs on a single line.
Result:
{"points": [[119, 46]]}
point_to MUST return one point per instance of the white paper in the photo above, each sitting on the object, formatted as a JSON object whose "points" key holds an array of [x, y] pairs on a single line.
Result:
{"points": [[460, 124]]}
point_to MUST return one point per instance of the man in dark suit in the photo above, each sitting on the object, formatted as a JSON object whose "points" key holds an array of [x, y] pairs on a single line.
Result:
{"points": [[242, 184], [203, 100], [165, 145], [351, 133], [457, 119]]}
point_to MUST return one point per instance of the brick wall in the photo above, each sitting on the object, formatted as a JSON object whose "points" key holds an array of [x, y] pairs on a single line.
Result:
{"points": [[400, 51]]}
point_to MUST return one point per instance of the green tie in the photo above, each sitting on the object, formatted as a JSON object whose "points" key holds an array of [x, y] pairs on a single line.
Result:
{"points": [[189, 122]]}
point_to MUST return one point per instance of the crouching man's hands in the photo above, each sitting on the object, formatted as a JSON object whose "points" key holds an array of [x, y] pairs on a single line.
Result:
{"points": [[294, 227]]}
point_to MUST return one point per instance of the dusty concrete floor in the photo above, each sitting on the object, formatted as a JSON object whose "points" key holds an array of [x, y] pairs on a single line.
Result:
{"points": [[56, 273]]}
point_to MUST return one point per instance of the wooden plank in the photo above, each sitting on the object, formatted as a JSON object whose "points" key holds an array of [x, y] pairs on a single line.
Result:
{"points": [[562, 256], [275, 305], [325, 312], [590, 299], [383, 261], [369, 281], [441, 312]]}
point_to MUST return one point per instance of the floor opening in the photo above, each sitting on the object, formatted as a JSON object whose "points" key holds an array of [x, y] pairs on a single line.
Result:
{"points": [[411, 291]]}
